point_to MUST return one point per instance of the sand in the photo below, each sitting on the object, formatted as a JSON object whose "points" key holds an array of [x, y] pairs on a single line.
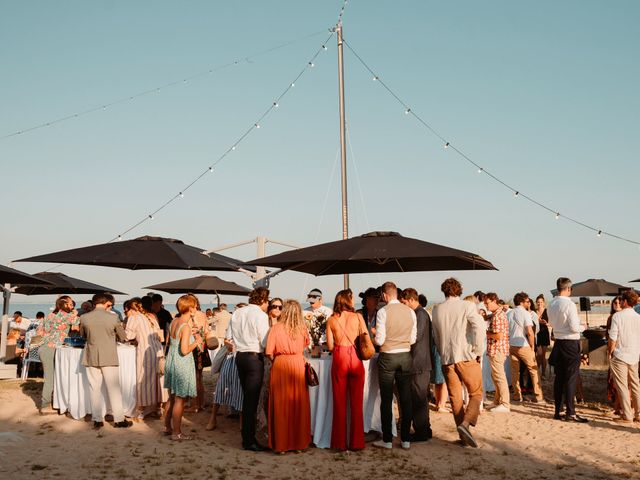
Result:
{"points": [[527, 443]]}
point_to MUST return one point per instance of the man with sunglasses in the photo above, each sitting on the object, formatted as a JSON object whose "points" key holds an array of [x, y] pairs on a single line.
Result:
{"points": [[317, 310], [101, 328], [564, 319]]}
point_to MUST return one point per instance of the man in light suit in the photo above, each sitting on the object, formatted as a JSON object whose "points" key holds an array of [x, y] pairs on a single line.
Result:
{"points": [[459, 332], [100, 327]]}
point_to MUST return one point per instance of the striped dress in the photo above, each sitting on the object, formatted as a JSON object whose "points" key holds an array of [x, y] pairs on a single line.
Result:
{"points": [[148, 351], [228, 389]]}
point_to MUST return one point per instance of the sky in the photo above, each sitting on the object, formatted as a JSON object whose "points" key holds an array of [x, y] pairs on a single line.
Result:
{"points": [[543, 94]]}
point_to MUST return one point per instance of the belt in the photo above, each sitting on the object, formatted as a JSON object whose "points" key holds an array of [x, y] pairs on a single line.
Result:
{"points": [[250, 353]]}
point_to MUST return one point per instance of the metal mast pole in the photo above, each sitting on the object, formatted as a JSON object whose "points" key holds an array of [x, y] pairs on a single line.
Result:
{"points": [[343, 147]]}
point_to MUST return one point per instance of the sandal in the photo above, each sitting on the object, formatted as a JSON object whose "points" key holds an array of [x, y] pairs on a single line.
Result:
{"points": [[180, 437]]}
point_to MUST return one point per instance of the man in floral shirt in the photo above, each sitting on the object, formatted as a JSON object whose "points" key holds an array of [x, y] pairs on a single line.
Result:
{"points": [[497, 351], [55, 329]]}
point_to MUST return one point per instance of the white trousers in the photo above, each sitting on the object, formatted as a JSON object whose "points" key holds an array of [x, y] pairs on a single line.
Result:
{"points": [[111, 377]]}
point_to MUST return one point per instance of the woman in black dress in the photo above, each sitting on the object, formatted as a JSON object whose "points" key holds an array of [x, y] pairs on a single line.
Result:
{"points": [[543, 339]]}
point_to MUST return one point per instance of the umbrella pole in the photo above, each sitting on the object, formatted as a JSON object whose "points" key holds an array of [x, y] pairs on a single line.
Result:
{"points": [[343, 149], [6, 295]]}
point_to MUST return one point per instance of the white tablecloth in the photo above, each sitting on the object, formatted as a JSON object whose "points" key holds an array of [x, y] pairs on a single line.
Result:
{"points": [[321, 398], [71, 385]]}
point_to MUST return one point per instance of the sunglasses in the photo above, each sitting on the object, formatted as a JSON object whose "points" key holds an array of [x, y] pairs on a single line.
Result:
{"points": [[313, 296], [276, 307]]}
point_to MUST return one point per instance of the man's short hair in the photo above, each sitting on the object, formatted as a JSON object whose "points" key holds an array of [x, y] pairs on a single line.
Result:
{"points": [[422, 300], [40, 315], [18, 312], [519, 298], [491, 296], [259, 295], [156, 297], [451, 287], [409, 294], [563, 283], [479, 295], [223, 306], [147, 303], [630, 296], [102, 298], [390, 289]]}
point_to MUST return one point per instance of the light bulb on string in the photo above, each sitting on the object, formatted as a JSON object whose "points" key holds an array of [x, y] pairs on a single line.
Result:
{"points": [[324, 47], [276, 104], [293, 84], [516, 193], [557, 215], [599, 233], [210, 169], [311, 64], [375, 78], [446, 145], [406, 112], [233, 148], [104, 107], [150, 217], [181, 195], [119, 238], [480, 170], [257, 125]]}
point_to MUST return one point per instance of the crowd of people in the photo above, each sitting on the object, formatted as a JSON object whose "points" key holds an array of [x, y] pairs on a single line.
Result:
{"points": [[260, 359]]}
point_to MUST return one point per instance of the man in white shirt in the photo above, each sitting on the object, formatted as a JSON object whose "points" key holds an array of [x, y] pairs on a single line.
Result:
{"points": [[248, 330], [624, 353], [396, 331], [318, 311], [521, 347], [19, 323], [565, 356], [459, 333]]}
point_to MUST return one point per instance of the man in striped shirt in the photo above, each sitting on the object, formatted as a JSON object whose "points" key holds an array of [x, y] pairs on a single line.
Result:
{"points": [[497, 351]]}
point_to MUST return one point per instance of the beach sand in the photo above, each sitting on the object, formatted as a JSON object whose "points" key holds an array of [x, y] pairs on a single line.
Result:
{"points": [[526, 444]]}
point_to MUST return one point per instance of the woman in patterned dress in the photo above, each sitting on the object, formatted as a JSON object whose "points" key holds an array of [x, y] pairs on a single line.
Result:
{"points": [[180, 371], [146, 332]]}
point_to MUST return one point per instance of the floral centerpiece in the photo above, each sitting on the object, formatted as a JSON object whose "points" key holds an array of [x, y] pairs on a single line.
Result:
{"points": [[317, 326]]}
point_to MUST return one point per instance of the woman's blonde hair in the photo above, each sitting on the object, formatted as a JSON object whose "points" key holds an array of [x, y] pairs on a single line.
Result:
{"points": [[291, 318]]}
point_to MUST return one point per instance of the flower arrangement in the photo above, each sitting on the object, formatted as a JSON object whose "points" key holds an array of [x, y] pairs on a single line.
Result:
{"points": [[317, 326]]}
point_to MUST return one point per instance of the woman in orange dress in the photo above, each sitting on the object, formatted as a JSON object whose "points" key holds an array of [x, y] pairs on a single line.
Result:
{"points": [[289, 410]]}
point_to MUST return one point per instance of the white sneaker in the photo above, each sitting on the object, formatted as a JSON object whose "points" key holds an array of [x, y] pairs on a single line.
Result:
{"points": [[500, 409], [383, 444], [405, 445]]}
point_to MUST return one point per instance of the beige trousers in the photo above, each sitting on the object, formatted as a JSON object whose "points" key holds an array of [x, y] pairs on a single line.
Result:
{"points": [[499, 378], [528, 357], [625, 377], [111, 377]]}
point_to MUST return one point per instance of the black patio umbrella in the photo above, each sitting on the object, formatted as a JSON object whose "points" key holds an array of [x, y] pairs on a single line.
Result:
{"points": [[201, 284], [16, 277], [636, 280], [61, 283], [595, 287], [375, 252], [143, 253]]}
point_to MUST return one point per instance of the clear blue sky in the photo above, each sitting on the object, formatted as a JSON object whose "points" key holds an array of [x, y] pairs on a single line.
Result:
{"points": [[544, 95]]}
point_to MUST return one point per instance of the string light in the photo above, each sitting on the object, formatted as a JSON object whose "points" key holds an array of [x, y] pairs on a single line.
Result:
{"points": [[156, 89], [406, 112], [119, 237], [242, 137], [311, 64], [293, 84], [324, 47], [481, 169]]}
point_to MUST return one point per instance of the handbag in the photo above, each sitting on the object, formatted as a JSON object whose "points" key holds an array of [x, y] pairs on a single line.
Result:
{"points": [[310, 375], [162, 363], [218, 360], [211, 340]]}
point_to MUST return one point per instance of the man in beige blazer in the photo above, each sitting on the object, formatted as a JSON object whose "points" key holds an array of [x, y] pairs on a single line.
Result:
{"points": [[100, 327]]}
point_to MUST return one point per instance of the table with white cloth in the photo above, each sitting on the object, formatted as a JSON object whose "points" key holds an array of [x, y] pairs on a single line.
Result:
{"points": [[71, 385], [321, 398]]}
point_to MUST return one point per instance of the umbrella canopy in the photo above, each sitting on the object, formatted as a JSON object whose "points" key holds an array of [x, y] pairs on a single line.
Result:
{"points": [[16, 277], [143, 253], [595, 287], [375, 252], [636, 280], [201, 284], [61, 283]]}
